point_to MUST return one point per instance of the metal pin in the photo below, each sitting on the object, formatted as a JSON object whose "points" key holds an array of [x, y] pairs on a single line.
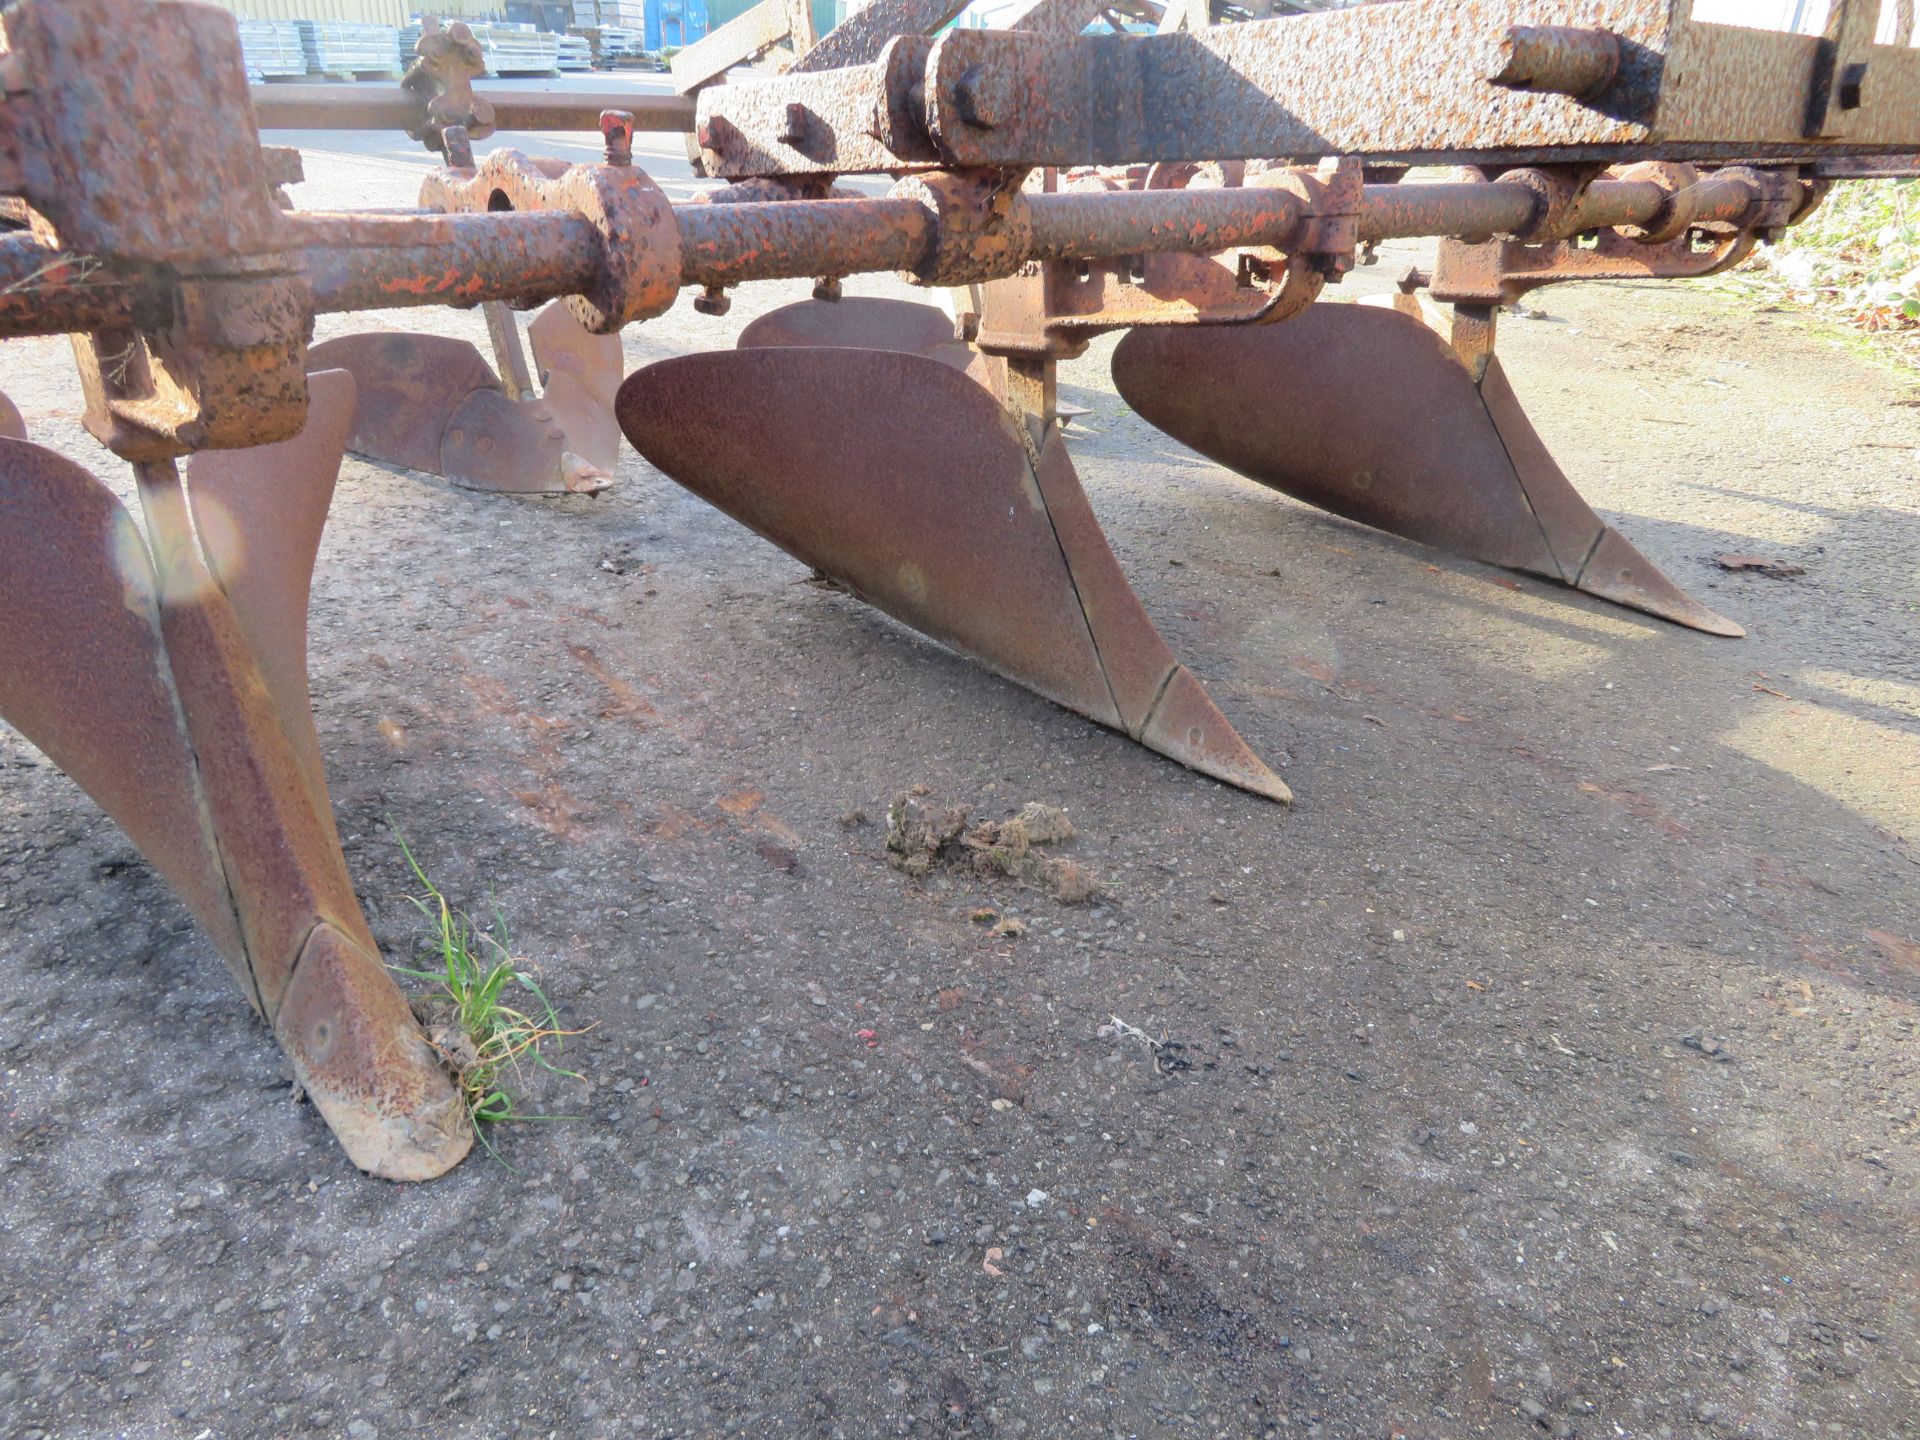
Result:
{"points": [[1555, 59]]}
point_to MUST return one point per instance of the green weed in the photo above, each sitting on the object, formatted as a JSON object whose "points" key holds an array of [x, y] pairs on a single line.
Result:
{"points": [[472, 1017]]}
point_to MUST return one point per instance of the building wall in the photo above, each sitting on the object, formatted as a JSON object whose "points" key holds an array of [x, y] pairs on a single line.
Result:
{"points": [[826, 13], [672, 24]]}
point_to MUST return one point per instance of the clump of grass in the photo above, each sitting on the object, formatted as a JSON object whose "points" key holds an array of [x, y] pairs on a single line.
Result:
{"points": [[472, 1017]]}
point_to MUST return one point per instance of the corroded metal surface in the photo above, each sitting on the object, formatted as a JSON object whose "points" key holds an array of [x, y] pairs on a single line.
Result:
{"points": [[410, 385], [866, 322], [431, 403], [83, 672], [1556, 59], [120, 60], [259, 515], [12, 427], [1008, 568], [759, 240], [865, 117], [638, 242], [1446, 462], [937, 228], [862, 322], [1425, 80], [579, 374], [167, 675]]}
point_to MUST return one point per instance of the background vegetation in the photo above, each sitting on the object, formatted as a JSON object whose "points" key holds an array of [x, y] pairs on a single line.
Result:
{"points": [[1856, 259]]}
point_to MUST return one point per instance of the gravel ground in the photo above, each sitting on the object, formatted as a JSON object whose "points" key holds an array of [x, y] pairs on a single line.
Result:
{"points": [[1549, 1068]]}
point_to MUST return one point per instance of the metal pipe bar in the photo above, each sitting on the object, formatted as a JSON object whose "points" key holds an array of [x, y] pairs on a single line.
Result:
{"points": [[1472, 211], [537, 256], [1718, 198], [376, 261], [497, 233], [1616, 202], [327, 107], [1084, 224], [427, 275], [784, 239]]}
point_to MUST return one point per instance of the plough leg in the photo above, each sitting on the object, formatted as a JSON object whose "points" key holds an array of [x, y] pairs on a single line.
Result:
{"points": [[1365, 411], [911, 485], [432, 404], [167, 676]]}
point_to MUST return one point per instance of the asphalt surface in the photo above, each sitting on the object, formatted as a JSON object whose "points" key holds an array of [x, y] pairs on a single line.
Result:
{"points": [[1548, 1069]]}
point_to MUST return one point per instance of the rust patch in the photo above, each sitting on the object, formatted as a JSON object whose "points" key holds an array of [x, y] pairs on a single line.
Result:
{"points": [[742, 803], [1899, 950], [627, 703]]}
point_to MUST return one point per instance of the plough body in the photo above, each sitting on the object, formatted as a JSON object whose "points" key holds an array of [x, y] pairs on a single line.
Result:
{"points": [[1199, 188]]}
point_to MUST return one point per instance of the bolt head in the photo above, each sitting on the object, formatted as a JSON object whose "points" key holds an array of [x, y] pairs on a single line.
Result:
{"points": [[985, 96]]}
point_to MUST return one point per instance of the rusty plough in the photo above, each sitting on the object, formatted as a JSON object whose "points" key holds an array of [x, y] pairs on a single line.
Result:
{"points": [[1199, 189], [431, 403]]}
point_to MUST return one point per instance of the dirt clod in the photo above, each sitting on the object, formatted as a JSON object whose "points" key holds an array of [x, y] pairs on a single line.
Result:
{"points": [[923, 833], [919, 832], [1771, 567], [1070, 882]]}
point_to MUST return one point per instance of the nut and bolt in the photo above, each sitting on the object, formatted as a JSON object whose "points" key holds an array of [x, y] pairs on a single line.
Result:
{"points": [[984, 95], [458, 149], [713, 300], [616, 127]]}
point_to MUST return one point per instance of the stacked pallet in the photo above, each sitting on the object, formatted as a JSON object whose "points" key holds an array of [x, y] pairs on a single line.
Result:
{"points": [[272, 48], [341, 47], [518, 50], [615, 47], [504, 49], [575, 52], [627, 14]]}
